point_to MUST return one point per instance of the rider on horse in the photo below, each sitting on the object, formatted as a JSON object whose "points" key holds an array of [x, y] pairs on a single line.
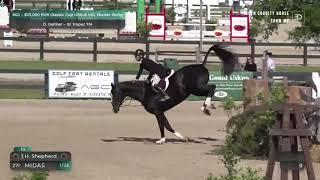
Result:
{"points": [[157, 73]]}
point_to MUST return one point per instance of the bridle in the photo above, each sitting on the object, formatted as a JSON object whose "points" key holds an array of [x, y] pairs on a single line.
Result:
{"points": [[128, 104], [124, 100]]}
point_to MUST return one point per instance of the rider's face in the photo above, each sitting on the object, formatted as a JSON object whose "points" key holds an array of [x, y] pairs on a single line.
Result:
{"points": [[138, 58]]}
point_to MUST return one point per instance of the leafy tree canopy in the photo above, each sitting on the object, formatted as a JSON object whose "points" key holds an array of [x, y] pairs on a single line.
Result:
{"points": [[310, 23]]}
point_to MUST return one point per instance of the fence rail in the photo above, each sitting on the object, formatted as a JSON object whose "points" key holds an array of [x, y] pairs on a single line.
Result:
{"points": [[95, 41]]}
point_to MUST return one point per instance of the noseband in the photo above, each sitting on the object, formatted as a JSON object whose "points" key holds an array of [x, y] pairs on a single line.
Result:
{"points": [[128, 104]]}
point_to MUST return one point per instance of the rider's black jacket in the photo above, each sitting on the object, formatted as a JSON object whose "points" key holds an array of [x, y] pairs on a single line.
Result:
{"points": [[153, 68]]}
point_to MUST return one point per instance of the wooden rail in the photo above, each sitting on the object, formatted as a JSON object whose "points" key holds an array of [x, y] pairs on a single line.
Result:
{"points": [[95, 42]]}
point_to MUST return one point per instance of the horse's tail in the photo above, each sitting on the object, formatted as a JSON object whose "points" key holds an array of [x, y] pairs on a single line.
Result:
{"points": [[229, 60], [207, 54]]}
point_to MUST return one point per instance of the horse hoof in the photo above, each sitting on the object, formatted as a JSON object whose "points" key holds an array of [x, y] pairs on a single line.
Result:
{"points": [[206, 111], [161, 141], [178, 135], [212, 106], [186, 139]]}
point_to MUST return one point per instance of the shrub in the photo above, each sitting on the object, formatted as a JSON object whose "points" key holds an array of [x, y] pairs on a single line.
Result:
{"points": [[32, 176], [142, 30], [248, 131], [228, 105], [211, 21], [170, 15], [230, 160]]}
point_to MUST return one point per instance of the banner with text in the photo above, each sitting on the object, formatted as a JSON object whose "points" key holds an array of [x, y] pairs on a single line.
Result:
{"points": [[4, 17], [229, 86], [80, 84], [67, 19]]}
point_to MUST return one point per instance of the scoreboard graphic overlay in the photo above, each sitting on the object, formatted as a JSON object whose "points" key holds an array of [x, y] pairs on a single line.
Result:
{"points": [[23, 158]]}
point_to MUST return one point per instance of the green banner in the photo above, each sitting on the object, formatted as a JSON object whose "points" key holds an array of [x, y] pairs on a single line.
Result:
{"points": [[229, 86], [67, 19], [68, 15], [22, 149], [64, 166]]}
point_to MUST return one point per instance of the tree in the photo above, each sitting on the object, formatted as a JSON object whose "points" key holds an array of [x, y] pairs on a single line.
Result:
{"points": [[211, 21], [143, 30], [309, 28], [170, 15]]}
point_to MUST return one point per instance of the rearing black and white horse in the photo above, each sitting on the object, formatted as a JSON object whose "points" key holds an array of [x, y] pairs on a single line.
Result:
{"points": [[191, 79]]}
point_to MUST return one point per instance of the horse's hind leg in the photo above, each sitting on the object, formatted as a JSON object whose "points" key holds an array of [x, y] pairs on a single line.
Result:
{"points": [[163, 122], [207, 102]]}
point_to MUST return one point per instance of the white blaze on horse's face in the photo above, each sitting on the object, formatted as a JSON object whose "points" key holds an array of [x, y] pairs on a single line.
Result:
{"points": [[116, 98]]}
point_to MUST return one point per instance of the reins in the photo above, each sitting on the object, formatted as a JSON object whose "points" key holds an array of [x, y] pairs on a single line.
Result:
{"points": [[128, 105]]}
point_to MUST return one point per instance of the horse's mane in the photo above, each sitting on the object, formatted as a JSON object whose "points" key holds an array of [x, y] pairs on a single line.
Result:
{"points": [[137, 84]]}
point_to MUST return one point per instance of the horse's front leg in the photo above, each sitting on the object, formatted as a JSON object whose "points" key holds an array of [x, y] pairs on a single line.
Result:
{"points": [[161, 127], [163, 122]]}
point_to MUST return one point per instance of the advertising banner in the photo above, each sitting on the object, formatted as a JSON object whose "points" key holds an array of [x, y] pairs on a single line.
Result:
{"points": [[157, 23], [8, 43], [4, 17], [67, 19], [229, 86], [239, 26], [80, 84]]}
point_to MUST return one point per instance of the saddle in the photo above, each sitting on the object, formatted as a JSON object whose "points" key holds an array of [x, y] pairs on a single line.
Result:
{"points": [[162, 83]]}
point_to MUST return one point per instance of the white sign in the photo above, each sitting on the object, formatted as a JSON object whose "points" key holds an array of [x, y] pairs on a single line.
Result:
{"points": [[239, 26], [157, 24], [80, 84], [180, 10], [4, 16], [8, 43], [130, 23]]}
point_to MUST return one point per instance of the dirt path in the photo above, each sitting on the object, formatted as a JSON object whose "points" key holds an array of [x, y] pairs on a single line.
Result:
{"points": [[107, 146]]}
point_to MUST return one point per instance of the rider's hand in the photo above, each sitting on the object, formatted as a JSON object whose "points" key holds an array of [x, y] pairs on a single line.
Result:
{"points": [[134, 80]]}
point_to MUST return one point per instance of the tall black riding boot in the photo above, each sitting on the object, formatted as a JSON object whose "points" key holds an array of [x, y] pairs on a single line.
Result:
{"points": [[164, 94]]}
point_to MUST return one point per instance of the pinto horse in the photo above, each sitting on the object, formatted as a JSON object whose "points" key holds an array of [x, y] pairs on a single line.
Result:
{"points": [[191, 79]]}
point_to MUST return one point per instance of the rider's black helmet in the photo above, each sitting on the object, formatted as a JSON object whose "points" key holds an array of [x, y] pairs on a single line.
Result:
{"points": [[139, 54]]}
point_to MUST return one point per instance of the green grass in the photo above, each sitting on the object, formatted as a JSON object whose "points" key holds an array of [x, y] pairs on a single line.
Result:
{"points": [[22, 94], [44, 65], [298, 68]]}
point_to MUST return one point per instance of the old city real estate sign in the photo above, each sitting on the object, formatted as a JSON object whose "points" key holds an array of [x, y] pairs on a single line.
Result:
{"points": [[67, 19]]}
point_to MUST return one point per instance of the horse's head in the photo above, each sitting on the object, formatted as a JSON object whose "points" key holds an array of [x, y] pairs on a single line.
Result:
{"points": [[117, 98]]}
